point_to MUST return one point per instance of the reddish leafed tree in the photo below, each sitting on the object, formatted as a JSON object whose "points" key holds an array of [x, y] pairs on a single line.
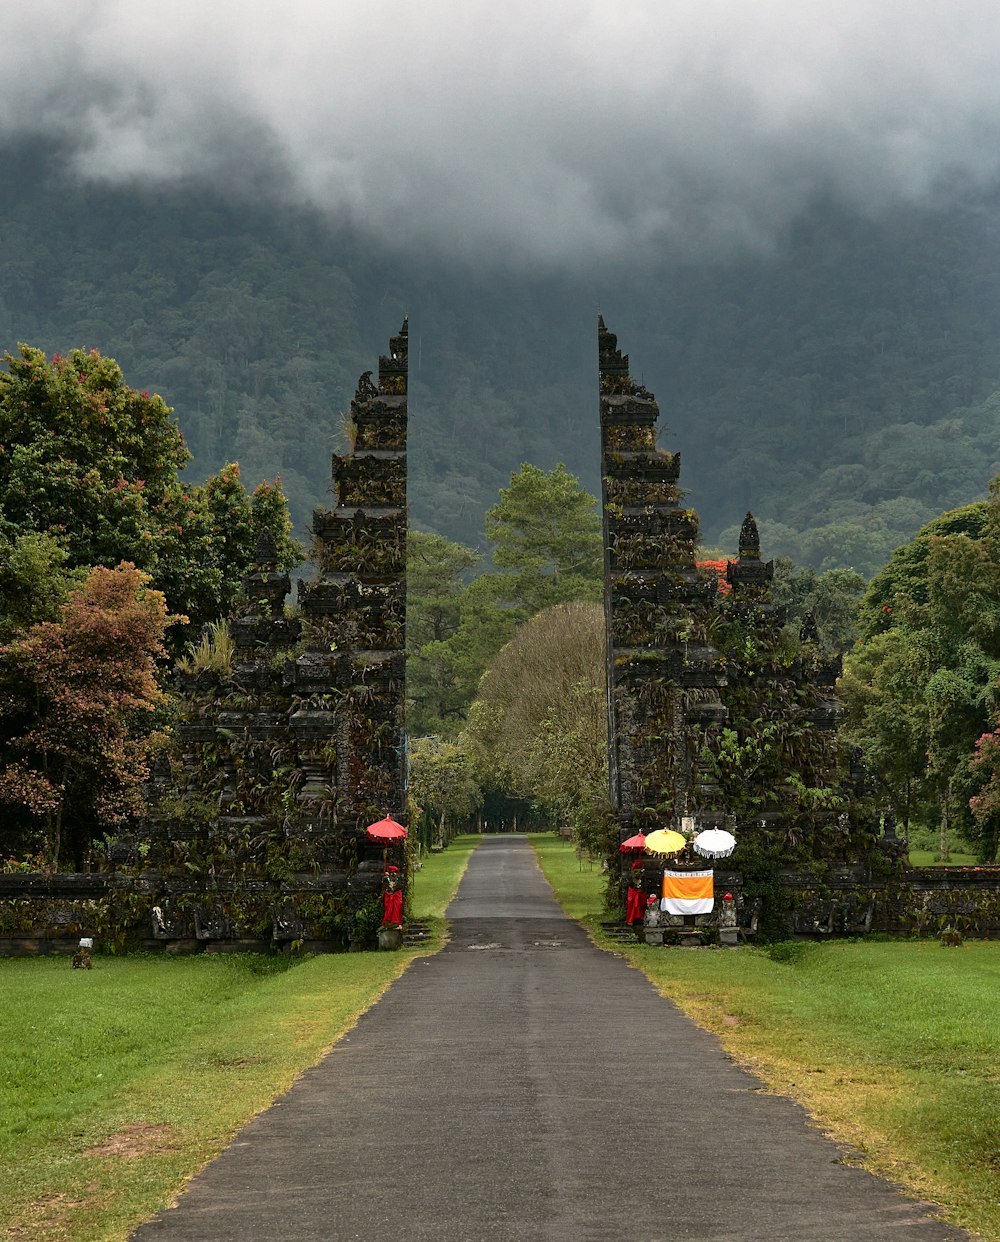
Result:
{"points": [[75, 712], [985, 805], [718, 568]]}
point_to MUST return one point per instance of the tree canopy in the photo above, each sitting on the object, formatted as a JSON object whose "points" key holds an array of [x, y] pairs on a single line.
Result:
{"points": [[93, 465], [546, 532], [921, 686], [442, 786], [547, 539], [74, 696], [540, 717]]}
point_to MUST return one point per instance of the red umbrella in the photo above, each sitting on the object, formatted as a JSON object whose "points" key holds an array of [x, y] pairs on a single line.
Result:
{"points": [[385, 831], [638, 842]]}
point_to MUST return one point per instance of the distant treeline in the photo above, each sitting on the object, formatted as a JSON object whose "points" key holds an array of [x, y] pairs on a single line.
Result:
{"points": [[844, 387]]}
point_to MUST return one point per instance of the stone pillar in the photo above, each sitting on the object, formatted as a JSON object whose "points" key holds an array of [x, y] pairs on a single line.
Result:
{"points": [[663, 673]]}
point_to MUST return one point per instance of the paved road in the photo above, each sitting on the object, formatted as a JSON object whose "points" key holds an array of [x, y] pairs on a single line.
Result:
{"points": [[522, 1084]]}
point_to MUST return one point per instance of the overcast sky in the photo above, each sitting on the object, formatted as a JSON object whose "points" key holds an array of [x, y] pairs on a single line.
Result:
{"points": [[543, 131]]}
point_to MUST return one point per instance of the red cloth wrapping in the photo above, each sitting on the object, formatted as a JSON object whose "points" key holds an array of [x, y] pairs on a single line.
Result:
{"points": [[635, 905], [392, 908]]}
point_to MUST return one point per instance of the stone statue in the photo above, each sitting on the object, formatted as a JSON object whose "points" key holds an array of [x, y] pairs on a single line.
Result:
{"points": [[365, 386], [809, 630]]}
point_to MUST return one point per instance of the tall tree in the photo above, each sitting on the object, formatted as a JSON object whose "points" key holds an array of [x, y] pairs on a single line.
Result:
{"points": [[540, 717], [883, 688], [34, 581], [832, 597], [76, 698], [94, 465], [546, 532], [436, 581], [85, 458], [547, 538], [437, 571], [922, 684], [443, 785]]}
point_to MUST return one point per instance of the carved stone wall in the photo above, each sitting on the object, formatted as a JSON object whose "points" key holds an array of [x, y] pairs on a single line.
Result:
{"points": [[784, 712]]}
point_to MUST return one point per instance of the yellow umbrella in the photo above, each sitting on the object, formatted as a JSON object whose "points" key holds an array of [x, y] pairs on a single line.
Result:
{"points": [[665, 841]]}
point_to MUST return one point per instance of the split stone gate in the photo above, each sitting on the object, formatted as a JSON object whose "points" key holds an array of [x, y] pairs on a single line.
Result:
{"points": [[254, 831]]}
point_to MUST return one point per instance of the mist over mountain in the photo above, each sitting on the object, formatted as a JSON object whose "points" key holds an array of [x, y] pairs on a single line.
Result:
{"points": [[555, 135], [842, 385], [786, 212]]}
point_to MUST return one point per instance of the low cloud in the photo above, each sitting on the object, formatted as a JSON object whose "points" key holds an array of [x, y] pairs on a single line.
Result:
{"points": [[560, 134]]}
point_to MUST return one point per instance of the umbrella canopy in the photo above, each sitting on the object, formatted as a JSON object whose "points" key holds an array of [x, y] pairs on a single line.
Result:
{"points": [[665, 841], [633, 844], [386, 831], [714, 843]]}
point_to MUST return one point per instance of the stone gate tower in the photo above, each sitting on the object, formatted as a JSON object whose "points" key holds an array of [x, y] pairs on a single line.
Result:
{"points": [[663, 674]]}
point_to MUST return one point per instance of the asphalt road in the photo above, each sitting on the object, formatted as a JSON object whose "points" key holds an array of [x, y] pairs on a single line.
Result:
{"points": [[522, 1084]]}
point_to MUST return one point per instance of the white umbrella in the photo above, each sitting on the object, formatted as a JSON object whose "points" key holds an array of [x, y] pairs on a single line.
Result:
{"points": [[714, 843]]}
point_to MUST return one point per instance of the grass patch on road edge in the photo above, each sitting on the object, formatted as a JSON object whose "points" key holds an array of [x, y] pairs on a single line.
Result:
{"points": [[118, 1084], [890, 1045]]}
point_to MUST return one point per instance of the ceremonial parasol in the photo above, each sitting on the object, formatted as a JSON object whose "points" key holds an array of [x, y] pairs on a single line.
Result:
{"points": [[633, 844], [714, 843], [665, 841], [386, 831]]}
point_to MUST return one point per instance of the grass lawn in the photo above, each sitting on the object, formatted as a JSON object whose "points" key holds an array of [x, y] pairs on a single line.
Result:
{"points": [[891, 1046], [929, 858], [119, 1083]]}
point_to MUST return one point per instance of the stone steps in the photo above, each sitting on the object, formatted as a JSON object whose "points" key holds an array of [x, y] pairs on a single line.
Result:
{"points": [[415, 934], [621, 932]]}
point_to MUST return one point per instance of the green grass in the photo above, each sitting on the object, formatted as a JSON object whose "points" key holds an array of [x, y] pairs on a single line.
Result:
{"points": [[435, 883], [119, 1083], [925, 846], [578, 883], [929, 858], [891, 1045]]}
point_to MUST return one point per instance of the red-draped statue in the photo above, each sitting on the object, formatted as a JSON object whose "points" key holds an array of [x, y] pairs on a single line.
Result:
{"points": [[635, 899], [392, 899]]}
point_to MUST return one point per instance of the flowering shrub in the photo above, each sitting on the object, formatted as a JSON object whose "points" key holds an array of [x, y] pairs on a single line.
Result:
{"points": [[719, 569], [985, 805]]}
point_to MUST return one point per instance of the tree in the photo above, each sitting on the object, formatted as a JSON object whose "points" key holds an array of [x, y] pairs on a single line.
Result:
{"points": [[985, 804], [94, 465], [832, 597], [546, 532], [436, 572], [905, 576], [548, 550], [34, 582], [443, 785], [882, 688], [540, 717], [84, 456], [436, 576], [206, 542], [76, 697], [922, 684]]}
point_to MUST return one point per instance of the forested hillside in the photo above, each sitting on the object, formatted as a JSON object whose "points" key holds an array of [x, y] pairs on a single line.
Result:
{"points": [[843, 386]]}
